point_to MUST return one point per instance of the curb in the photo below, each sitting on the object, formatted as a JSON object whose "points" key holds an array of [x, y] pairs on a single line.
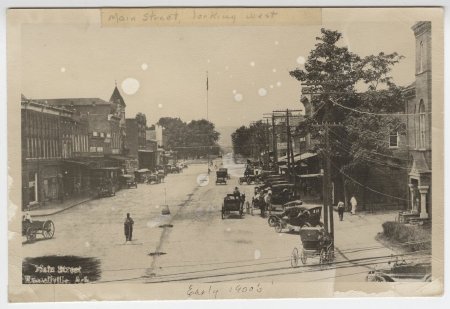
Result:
{"points": [[63, 209]]}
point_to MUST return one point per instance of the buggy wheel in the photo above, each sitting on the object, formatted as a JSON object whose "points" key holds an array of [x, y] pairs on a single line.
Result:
{"points": [[48, 229], [272, 221], [294, 258], [31, 235], [278, 227], [303, 257], [323, 256]]}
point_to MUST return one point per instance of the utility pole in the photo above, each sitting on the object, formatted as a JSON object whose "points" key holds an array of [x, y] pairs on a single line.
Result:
{"points": [[274, 141], [288, 141], [326, 181]]}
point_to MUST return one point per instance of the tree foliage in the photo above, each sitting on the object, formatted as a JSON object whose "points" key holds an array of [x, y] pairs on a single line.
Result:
{"points": [[250, 141], [364, 86], [194, 139]]}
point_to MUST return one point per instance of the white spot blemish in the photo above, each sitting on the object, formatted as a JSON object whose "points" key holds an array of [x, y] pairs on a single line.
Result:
{"points": [[202, 180], [238, 97], [262, 92], [271, 86], [160, 105], [130, 85], [228, 229], [156, 206], [257, 254], [63, 69], [274, 70], [231, 76], [252, 63], [87, 244], [276, 43], [278, 84], [234, 91], [226, 68], [301, 60], [144, 66]]}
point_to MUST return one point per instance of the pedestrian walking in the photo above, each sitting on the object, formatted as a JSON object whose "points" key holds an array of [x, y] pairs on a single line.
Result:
{"points": [[128, 226], [267, 201], [354, 203], [340, 208]]}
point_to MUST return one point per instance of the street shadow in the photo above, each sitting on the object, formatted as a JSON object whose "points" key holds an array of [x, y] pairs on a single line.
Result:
{"points": [[37, 240]]}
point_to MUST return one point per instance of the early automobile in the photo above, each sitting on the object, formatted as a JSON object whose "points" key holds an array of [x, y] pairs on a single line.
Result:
{"points": [[221, 177], [128, 181], [153, 178], [401, 271], [249, 179], [296, 214], [106, 189], [224, 170], [232, 202], [316, 242], [31, 228], [142, 174]]}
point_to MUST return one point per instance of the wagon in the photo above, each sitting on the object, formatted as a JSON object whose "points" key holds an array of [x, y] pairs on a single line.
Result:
{"points": [[221, 177], [44, 228], [316, 242], [231, 203]]}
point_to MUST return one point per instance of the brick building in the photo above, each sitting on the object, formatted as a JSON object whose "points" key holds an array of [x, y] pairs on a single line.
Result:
{"points": [[50, 137], [418, 109]]}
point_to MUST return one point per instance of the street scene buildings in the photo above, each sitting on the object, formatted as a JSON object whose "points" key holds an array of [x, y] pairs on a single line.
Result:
{"points": [[181, 174]]}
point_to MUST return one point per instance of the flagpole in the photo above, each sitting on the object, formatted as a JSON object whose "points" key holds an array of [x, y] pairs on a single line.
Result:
{"points": [[207, 107], [207, 96]]}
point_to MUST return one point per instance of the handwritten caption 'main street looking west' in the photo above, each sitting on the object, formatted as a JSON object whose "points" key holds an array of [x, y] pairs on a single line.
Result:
{"points": [[208, 17]]}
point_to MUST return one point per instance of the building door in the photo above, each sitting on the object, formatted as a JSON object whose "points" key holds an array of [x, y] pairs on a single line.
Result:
{"points": [[32, 188]]}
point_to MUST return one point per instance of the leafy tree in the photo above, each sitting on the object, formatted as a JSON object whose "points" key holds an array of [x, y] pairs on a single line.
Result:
{"points": [[357, 92], [194, 139]]}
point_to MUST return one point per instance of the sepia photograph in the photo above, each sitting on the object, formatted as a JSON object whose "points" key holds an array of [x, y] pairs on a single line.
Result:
{"points": [[216, 153]]}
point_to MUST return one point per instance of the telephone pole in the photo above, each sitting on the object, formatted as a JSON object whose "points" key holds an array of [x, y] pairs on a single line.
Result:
{"points": [[326, 180]]}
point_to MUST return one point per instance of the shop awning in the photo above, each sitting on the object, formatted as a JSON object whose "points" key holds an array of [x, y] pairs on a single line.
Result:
{"points": [[310, 175], [143, 170], [298, 157], [121, 158]]}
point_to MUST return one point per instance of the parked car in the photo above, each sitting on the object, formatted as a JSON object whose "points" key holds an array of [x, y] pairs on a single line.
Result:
{"points": [[401, 271], [128, 181]]}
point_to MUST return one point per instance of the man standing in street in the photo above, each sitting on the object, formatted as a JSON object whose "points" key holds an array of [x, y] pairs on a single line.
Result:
{"points": [[354, 203], [128, 226], [340, 208]]}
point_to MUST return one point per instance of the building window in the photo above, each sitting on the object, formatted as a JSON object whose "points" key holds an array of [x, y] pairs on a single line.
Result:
{"points": [[108, 135], [99, 149], [92, 149], [421, 57], [393, 139], [422, 125], [102, 134], [94, 133]]}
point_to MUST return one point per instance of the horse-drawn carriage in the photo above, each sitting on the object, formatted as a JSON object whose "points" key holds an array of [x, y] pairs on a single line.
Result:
{"points": [[232, 202], [316, 242], [31, 228], [128, 181]]}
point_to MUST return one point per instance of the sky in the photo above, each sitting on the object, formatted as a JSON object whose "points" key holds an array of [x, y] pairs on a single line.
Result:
{"points": [[162, 71]]}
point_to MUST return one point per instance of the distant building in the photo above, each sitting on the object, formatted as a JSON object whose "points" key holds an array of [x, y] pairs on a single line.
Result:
{"points": [[135, 134], [418, 108], [106, 121]]}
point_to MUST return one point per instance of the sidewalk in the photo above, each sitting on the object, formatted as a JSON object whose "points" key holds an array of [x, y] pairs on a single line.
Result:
{"points": [[355, 237], [54, 207]]}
